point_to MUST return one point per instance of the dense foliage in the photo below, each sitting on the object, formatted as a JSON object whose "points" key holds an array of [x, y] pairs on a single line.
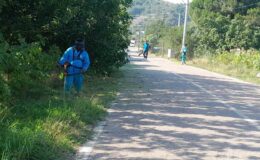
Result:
{"points": [[23, 69], [34, 34], [225, 25], [215, 27], [34, 122]]}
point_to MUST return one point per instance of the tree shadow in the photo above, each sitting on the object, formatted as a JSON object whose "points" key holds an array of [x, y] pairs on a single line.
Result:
{"points": [[171, 118]]}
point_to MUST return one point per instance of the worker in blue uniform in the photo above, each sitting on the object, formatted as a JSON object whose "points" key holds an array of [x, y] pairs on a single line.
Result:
{"points": [[75, 61], [184, 50], [146, 49]]}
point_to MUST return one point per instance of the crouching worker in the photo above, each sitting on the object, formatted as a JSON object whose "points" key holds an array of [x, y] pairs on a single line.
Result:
{"points": [[75, 61]]}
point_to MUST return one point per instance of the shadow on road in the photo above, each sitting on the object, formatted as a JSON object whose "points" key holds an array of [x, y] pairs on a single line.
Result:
{"points": [[162, 116]]}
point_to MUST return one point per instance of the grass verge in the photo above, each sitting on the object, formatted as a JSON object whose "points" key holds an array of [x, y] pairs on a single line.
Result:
{"points": [[50, 128], [244, 66], [237, 70]]}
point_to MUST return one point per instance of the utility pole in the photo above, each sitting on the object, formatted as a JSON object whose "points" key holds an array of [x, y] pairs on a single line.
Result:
{"points": [[179, 21], [185, 23]]}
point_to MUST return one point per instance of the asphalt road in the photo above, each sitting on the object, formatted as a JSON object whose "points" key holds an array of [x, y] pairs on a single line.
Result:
{"points": [[169, 111]]}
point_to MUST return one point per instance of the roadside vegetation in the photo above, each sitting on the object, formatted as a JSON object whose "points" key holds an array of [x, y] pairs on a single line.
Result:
{"points": [[244, 66], [222, 36], [51, 128], [35, 121]]}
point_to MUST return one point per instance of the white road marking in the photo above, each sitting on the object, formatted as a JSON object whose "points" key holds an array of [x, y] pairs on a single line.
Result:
{"points": [[247, 119], [85, 151]]}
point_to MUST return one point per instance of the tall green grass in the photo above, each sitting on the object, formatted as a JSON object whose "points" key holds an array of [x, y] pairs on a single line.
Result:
{"points": [[46, 130], [244, 65], [50, 128]]}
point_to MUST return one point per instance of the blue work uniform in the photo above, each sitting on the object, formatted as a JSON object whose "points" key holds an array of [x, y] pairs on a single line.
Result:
{"points": [[78, 63], [146, 49], [184, 54]]}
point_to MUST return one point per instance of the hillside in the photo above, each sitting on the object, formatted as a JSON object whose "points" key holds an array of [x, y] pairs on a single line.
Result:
{"points": [[145, 11]]}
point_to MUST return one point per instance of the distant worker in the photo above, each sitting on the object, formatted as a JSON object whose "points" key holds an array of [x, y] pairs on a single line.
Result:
{"points": [[146, 49], [184, 54], [75, 61]]}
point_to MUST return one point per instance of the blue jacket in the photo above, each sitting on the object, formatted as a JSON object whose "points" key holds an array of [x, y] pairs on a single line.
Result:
{"points": [[184, 49], [78, 60], [146, 47]]}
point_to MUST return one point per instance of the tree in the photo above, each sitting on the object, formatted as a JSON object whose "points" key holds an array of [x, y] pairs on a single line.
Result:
{"points": [[34, 34], [225, 25]]}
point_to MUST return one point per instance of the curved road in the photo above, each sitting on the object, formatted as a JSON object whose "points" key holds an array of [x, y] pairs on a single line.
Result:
{"points": [[169, 111]]}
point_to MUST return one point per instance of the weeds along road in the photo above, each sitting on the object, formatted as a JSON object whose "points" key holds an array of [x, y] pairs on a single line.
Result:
{"points": [[169, 111]]}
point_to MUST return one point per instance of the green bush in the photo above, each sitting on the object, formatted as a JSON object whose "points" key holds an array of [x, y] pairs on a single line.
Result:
{"points": [[220, 26], [24, 70], [103, 24], [33, 36], [249, 59]]}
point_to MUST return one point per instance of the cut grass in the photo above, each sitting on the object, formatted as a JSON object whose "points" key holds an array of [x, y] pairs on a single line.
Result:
{"points": [[50, 128]]}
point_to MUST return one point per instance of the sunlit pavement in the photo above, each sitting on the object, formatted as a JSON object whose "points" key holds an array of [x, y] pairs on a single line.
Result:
{"points": [[176, 112]]}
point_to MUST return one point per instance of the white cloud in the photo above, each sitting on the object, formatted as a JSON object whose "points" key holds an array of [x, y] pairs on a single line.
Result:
{"points": [[177, 1]]}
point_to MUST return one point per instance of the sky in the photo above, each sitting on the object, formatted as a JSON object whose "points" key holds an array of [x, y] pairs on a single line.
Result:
{"points": [[177, 1]]}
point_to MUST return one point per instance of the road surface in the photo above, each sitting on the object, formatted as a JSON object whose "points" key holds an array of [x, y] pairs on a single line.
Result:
{"points": [[175, 112]]}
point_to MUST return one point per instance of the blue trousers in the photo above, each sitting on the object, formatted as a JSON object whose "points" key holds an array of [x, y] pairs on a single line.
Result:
{"points": [[75, 80], [183, 58], [145, 54]]}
